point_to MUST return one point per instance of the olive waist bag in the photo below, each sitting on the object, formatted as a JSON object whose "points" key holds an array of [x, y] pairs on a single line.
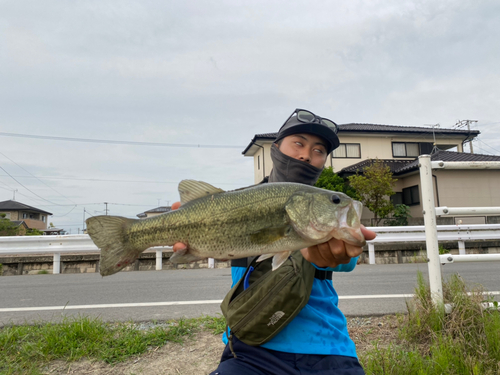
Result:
{"points": [[264, 301]]}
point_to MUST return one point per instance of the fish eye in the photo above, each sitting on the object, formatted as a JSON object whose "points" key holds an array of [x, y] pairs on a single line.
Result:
{"points": [[335, 199]]}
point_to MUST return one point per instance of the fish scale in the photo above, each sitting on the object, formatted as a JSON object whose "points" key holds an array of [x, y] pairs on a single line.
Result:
{"points": [[263, 219]]}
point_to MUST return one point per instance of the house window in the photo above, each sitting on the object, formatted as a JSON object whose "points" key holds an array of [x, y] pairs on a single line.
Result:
{"points": [[43, 218], [347, 150], [7, 215], [258, 162], [411, 196], [397, 198], [410, 149], [25, 215]]}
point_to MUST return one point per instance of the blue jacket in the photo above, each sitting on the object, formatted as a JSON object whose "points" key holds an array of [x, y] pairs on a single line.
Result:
{"points": [[320, 327]]}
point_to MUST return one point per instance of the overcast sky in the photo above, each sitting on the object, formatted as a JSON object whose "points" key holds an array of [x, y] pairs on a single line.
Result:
{"points": [[215, 73]]}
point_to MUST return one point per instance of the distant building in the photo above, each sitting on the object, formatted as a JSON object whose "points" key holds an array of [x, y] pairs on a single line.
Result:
{"points": [[154, 212], [33, 217], [22, 227], [53, 231]]}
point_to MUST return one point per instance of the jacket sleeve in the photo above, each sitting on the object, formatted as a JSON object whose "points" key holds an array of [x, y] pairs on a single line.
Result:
{"points": [[341, 267]]}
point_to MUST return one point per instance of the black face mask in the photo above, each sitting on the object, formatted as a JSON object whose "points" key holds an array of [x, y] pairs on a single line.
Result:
{"points": [[287, 169]]}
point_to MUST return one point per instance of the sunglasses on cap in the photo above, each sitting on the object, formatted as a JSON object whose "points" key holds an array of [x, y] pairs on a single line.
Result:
{"points": [[306, 116]]}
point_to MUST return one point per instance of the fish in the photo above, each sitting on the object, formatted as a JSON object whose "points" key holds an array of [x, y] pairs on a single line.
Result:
{"points": [[265, 220]]}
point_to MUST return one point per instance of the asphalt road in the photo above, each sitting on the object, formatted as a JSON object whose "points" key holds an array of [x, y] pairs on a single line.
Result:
{"points": [[33, 298]]}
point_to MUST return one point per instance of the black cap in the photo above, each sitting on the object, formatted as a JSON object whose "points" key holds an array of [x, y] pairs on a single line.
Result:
{"points": [[295, 126]]}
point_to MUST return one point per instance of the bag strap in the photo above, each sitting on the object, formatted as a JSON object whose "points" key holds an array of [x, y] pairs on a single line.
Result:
{"points": [[319, 274]]}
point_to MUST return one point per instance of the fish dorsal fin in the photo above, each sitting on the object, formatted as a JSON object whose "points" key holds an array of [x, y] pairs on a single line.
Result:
{"points": [[190, 190]]}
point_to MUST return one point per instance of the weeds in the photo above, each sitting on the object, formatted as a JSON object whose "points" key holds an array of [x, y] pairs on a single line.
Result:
{"points": [[465, 341], [26, 349]]}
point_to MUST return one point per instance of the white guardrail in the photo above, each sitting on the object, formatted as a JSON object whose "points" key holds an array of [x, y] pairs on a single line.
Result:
{"points": [[56, 245], [445, 233], [431, 229], [81, 243]]}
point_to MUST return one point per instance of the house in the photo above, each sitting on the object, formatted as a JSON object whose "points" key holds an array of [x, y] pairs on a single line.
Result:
{"points": [[368, 141], [53, 231], [399, 147], [154, 212], [33, 217], [452, 187]]}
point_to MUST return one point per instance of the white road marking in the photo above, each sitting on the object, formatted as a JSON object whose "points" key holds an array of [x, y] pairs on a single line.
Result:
{"points": [[177, 303]]}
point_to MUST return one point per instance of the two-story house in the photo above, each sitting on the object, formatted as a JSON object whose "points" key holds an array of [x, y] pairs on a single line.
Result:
{"points": [[32, 216], [398, 147]]}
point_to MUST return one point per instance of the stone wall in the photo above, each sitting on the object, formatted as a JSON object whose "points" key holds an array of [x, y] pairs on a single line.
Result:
{"points": [[88, 263]]}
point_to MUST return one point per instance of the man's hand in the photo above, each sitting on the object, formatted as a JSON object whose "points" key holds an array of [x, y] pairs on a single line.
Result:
{"points": [[335, 252], [179, 245]]}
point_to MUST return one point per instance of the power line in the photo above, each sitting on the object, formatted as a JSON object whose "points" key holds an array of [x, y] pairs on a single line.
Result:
{"points": [[110, 141], [36, 177], [111, 180], [27, 188]]}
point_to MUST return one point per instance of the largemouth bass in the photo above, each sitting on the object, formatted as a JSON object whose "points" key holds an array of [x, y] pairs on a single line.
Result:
{"points": [[263, 220]]}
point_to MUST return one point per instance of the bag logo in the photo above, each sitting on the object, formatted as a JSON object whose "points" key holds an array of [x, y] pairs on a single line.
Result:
{"points": [[275, 318]]}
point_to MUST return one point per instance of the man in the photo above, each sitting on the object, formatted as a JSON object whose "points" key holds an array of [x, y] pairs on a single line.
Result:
{"points": [[316, 341]]}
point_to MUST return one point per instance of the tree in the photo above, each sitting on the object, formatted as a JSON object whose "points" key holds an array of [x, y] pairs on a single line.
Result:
{"points": [[400, 216], [332, 181], [7, 227], [374, 189], [34, 232]]}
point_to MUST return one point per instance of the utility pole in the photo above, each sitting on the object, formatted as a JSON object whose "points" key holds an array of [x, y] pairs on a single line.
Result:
{"points": [[463, 123], [106, 210], [14, 195]]}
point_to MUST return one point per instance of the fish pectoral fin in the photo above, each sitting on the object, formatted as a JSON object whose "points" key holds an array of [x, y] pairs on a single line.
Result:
{"points": [[264, 257], [280, 258], [183, 256], [269, 235], [190, 190]]}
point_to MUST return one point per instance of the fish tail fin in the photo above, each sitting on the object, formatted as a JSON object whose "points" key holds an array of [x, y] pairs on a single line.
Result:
{"points": [[108, 234]]}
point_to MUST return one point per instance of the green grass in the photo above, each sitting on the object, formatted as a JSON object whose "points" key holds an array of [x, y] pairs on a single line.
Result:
{"points": [[27, 349], [466, 341]]}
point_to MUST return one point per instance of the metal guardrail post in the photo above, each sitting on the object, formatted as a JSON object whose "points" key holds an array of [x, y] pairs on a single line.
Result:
{"points": [[431, 240], [56, 268], [159, 263], [371, 253], [461, 247]]}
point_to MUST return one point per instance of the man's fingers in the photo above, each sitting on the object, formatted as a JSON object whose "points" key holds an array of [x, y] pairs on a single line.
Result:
{"points": [[175, 205], [353, 251], [369, 235], [179, 246]]}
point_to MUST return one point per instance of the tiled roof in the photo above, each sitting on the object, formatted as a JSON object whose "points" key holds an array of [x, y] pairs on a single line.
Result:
{"points": [[401, 129], [159, 210], [11, 205], [450, 156], [399, 167], [395, 165]]}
